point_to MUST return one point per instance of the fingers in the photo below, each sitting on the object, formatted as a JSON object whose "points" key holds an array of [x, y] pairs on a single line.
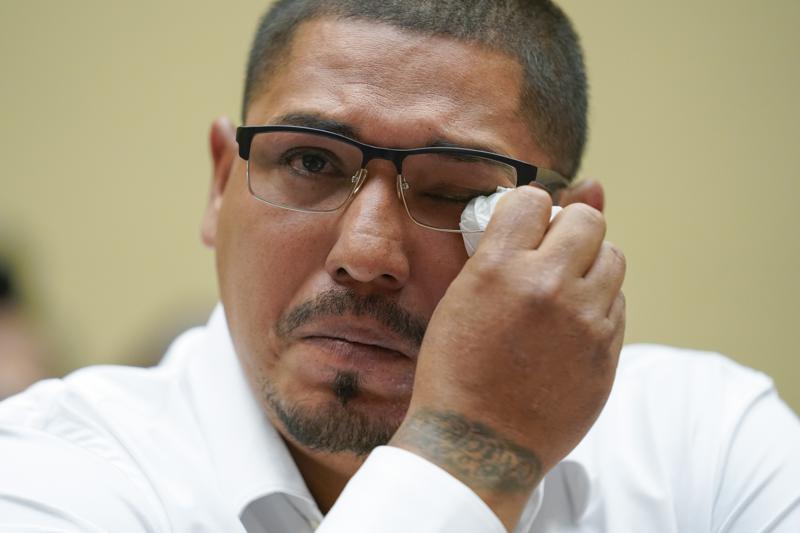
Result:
{"points": [[606, 275], [572, 245], [616, 316], [519, 221], [574, 238]]}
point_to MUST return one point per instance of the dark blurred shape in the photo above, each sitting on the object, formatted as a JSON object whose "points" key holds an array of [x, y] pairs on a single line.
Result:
{"points": [[23, 353], [7, 292]]}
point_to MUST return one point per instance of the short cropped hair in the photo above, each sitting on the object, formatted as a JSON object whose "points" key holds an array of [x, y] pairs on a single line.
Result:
{"points": [[535, 32]]}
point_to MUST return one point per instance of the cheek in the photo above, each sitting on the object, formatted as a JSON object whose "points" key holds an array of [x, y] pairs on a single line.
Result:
{"points": [[265, 258], [441, 257]]}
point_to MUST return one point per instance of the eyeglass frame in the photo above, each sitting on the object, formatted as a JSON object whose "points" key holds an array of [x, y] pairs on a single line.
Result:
{"points": [[527, 173]]}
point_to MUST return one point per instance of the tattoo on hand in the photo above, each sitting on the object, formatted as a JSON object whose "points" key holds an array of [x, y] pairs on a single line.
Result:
{"points": [[471, 451]]}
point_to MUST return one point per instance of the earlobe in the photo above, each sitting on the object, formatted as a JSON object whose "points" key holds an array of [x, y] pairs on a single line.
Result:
{"points": [[585, 192], [222, 143]]}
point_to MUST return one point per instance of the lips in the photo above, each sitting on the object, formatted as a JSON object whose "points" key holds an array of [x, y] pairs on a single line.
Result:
{"points": [[357, 335]]}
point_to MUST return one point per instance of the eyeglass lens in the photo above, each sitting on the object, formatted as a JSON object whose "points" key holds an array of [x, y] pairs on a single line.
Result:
{"points": [[317, 173]]}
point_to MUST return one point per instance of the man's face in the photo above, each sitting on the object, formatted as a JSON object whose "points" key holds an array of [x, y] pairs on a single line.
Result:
{"points": [[326, 311]]}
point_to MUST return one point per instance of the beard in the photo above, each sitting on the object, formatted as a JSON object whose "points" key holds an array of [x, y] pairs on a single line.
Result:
{"points": [[338, 426], [334, 427]]}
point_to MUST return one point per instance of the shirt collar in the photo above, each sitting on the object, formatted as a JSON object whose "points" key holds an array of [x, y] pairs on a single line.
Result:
{"points": [[251, 459]]}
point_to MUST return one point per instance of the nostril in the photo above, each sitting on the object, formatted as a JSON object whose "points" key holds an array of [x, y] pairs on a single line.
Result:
{"points": [[347, 276]]}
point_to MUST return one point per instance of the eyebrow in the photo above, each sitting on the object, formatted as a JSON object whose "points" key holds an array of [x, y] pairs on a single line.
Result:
{"points": [[310, 120]]}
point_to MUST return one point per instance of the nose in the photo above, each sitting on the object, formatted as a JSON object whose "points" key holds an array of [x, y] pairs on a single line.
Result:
{"points": [[370, 248]]}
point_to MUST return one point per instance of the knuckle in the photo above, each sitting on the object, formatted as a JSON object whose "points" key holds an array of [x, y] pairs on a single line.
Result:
{"points": [[591, 327], [488, 266], [544, 290]]}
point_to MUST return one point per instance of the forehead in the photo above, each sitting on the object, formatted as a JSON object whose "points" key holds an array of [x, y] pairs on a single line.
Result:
{"points": [[393, 87]]}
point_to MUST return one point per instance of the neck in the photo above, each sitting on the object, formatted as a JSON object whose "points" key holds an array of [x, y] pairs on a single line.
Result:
{"points": [[325, 474]]}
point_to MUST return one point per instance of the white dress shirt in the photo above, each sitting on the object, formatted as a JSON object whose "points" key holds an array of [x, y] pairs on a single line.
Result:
{"points": [[688, 442]]}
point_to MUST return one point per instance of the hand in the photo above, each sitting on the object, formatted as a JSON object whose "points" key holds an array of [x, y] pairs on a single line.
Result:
{"points": [[521, 352]]}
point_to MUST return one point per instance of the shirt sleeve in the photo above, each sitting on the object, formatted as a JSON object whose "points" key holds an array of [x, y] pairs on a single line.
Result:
{"points": [[396, 491], [759, 485]]}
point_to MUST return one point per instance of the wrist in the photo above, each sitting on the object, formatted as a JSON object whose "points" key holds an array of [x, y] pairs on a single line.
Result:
{"points": [[502, 473]]}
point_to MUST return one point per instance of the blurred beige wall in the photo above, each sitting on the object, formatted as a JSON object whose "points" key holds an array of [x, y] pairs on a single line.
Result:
{"points": [[695, 126]]}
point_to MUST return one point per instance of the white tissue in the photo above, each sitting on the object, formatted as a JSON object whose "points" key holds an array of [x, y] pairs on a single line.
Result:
{"points": [[477, 214]]}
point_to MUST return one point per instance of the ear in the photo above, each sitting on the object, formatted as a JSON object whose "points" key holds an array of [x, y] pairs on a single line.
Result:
{"points": [[585, 192], [224, 150]]}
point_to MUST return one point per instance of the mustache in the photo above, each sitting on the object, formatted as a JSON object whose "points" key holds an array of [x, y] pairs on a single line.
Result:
{"points": [[339, 302]]}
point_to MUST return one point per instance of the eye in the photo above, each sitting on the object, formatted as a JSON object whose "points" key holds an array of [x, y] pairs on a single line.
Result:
{"points": [[311, 162]]}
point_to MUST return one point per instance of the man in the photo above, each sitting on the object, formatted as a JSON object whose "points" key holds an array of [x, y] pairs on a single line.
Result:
{"points": [[363, 370]]}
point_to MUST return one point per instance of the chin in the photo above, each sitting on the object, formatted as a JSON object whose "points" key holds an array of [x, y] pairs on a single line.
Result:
{"points": [[341, 419]]}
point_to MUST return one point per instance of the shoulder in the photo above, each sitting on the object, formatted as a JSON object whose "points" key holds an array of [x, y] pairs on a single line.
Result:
{"points": [[90, 401], [73, 448], [63, 466], [713, 435], [667, 375], [646, 359], [46, 479], [689, 402]]}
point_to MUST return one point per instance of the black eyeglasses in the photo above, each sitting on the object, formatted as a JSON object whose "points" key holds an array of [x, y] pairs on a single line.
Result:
{"points": [[317, 171]]}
